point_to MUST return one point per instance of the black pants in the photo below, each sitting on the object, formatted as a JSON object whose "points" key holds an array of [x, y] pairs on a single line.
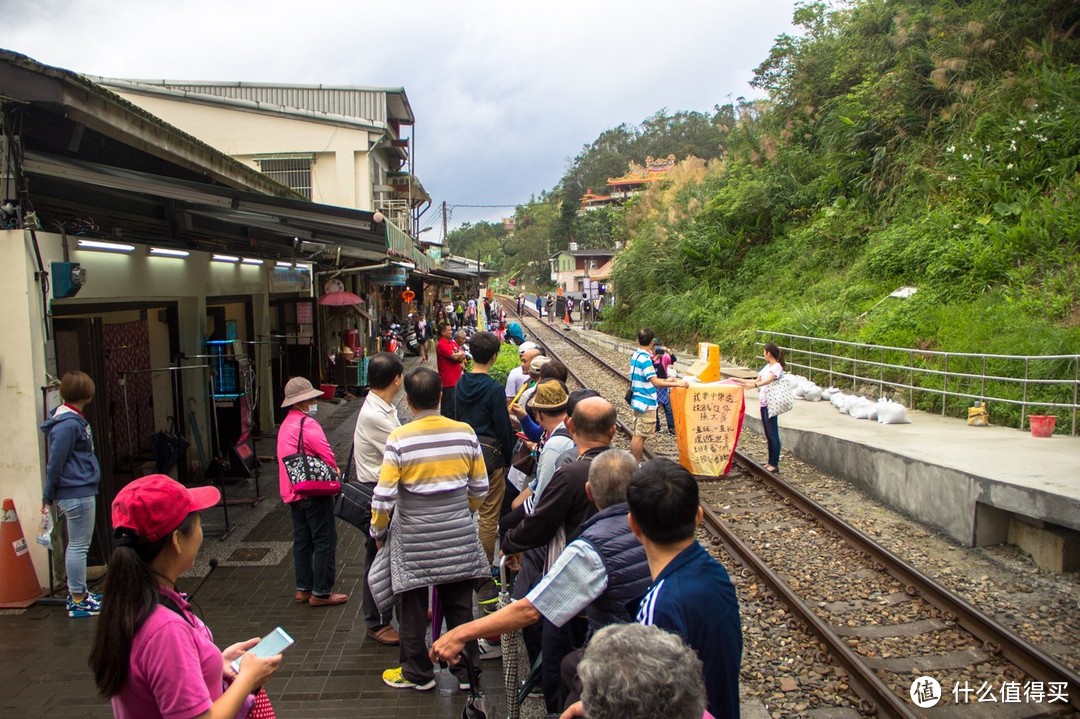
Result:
{"points": [[455, 599], [372, 617], [556, 643], [448, 407]]}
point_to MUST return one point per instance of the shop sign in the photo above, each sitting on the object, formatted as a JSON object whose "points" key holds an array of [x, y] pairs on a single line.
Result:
{"points": [[290, 279], [390, 276]]}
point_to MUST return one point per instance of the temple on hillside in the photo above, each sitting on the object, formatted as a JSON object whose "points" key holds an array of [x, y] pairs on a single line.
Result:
{"points": [[634, 181]]}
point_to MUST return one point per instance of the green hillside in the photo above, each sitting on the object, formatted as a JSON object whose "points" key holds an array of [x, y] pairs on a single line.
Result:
{"points": [[932, 144]]}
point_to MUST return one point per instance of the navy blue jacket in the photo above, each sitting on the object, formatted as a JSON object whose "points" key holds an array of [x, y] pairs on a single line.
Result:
{"points": [[625, 562], [73, 470], [481, 404], [694, 598]]}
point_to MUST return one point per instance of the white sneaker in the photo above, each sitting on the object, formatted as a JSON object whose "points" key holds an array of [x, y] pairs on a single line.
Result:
{"points": [[489, 650]]}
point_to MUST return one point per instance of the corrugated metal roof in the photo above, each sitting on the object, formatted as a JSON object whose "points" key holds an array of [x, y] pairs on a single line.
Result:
{"points": [[367, 103]]}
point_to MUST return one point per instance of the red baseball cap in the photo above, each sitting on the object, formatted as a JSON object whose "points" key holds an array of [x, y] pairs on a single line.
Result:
{"points": [[155, 505]]}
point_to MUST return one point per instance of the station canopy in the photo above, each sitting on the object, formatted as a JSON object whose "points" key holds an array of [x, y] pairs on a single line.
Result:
{"points": [[83, 156]]}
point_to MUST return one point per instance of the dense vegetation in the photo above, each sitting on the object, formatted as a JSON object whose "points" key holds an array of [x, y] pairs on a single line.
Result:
{"points": [[924, 143]]}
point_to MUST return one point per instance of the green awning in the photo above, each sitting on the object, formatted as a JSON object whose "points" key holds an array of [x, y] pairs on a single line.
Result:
{"points": [[423, 262], [398, 241]]}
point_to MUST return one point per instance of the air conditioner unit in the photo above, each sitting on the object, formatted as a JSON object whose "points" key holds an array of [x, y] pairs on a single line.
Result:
{"points": [[67, 279]]}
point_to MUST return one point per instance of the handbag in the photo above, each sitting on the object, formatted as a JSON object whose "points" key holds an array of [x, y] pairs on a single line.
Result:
{"points": [[310, 476], [493, 456], [262, 708], [168, 446], [353, 504], [524, 460], [629, 396], [779, 397]]}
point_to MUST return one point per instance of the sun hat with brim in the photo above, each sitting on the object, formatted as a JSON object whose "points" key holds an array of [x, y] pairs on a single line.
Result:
{"points": [[526, 346], [549, 396], [537, 362], [298, 389], [155, 505]]}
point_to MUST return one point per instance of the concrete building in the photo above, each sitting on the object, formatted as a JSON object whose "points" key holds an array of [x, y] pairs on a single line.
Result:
{"points": [[181, 280], [575, 271], [334, 145]]}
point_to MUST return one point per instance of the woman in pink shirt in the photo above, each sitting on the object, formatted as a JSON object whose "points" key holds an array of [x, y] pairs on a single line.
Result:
{"points": [[151, 655], [314, 528]]}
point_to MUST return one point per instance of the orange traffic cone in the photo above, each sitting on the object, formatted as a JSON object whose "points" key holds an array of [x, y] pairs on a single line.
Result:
{"points": [[19, 586]]}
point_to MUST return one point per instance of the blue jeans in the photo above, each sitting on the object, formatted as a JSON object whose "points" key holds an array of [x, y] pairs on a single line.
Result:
{"points": [[314, 544], [79, 514], [771, 427]]}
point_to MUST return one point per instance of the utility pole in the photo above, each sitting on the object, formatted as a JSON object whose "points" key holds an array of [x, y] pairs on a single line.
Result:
{"points": [[445, 220]]}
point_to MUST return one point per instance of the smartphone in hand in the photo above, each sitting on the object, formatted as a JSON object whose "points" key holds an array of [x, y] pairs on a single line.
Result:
{"points": [[273, 643]]}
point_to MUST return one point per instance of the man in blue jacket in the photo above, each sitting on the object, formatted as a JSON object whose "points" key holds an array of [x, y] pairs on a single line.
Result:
{"points": [[691, 594]]}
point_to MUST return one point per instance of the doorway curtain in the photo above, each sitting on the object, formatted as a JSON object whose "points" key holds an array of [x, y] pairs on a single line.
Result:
{"points": [[127, 349]]}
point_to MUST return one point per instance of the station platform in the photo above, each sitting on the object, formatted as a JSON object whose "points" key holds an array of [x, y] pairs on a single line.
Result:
{"points": [[333, 671], [979, 485]]}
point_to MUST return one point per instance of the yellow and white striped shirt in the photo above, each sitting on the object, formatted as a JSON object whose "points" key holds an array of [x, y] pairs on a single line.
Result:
{"points": [[430, 455]]}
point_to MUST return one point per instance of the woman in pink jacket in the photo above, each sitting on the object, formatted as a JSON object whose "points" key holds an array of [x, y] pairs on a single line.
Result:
{"points": [[314, 531]]}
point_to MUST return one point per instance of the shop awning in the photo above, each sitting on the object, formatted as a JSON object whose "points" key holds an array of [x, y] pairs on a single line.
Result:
{"points": [[144, 207]]}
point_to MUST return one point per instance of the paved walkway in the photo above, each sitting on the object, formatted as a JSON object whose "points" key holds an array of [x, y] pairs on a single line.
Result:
{"points": [[333, 670]]}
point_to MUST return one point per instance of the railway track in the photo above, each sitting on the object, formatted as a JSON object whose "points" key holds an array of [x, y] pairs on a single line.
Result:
{"points": [[864, 615]]}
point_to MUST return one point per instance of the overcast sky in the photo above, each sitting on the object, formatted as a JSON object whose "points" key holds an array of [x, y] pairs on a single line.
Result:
{"points": [[505, 93]]}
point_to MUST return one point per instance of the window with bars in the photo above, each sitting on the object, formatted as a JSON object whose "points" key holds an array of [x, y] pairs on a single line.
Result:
{"points": [[293, 171]]}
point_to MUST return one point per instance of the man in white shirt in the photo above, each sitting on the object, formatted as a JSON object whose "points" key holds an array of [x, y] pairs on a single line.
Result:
{"points": [[519, 376], [377, 419]]}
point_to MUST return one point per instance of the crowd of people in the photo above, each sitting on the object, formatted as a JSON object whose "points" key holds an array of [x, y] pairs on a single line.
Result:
{"points": [[615, 597]]}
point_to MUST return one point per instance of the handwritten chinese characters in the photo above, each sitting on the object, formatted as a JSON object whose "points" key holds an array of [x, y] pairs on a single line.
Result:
{"points": [[708, 419]]}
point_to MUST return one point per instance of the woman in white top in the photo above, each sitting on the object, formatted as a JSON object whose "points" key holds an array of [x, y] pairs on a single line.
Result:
{"points": [[772, 371]]}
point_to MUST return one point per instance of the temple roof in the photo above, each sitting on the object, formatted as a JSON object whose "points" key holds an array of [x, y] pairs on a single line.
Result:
{"points": [[652, 171]]}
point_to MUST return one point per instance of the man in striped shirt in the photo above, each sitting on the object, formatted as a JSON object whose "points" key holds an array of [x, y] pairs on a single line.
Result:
{"points": [[432, 475], [643, 384]]}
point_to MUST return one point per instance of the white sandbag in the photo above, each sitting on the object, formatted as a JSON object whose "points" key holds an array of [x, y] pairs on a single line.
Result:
{"points": [[892, 413], [850, 401], [837, 400], [827, 394], [861, 409], [799, 391], [813, 394]]}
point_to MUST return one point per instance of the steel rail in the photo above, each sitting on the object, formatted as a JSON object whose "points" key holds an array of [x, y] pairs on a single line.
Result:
{"points": [[878, 698], [996, 638]]}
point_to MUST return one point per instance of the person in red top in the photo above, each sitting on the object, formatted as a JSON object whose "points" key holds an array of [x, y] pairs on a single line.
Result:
{"points": [[449, 358]]}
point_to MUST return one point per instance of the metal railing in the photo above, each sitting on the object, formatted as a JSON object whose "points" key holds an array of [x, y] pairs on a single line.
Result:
{"points": [[952, 379]]}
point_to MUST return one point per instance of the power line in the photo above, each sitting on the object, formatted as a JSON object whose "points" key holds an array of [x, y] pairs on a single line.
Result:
{"points": [[492, 206]]}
